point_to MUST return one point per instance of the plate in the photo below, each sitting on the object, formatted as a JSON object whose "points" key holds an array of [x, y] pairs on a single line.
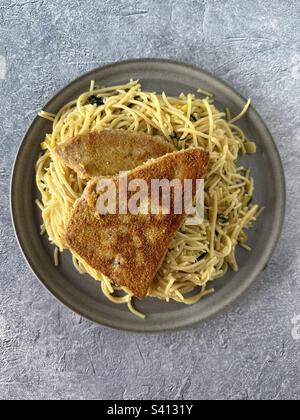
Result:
{"points": [[80, 292]]}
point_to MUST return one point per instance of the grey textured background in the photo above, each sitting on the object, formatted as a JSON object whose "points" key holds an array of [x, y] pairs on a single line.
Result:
{"points": [[248, 352]]}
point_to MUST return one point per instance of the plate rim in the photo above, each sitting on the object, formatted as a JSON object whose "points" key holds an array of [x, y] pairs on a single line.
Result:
{"points": [[251, 278]]}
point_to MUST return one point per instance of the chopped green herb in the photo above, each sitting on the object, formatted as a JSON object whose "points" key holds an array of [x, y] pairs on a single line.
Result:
{"points": [[250, 201], [243, 171], [201, 256], [247, 200], [223, 219], [95, 100], [174, 136]]}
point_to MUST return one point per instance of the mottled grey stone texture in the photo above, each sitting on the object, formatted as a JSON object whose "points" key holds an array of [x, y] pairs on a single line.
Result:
{"points": [[248, 352]]}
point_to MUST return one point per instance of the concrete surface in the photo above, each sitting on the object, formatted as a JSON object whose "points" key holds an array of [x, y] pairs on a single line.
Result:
{"points": [[249, 352]]}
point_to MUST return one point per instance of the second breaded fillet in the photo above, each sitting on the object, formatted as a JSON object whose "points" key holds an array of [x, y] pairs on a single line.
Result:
{"points": [[129, 248], [108, 152]]}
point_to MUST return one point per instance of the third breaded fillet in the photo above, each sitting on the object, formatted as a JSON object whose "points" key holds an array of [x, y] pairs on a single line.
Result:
{"points": [[130, 248], [108, 152]]}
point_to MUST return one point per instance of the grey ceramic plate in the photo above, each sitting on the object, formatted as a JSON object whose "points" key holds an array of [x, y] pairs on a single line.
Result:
{"points": [[81, 293]]}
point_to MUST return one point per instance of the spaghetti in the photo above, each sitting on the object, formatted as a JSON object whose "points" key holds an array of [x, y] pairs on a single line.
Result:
{"points": [[198, 254]]}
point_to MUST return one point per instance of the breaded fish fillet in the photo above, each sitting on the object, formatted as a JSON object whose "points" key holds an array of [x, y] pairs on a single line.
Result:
{"points": [[129, 249], [108, 152]]}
